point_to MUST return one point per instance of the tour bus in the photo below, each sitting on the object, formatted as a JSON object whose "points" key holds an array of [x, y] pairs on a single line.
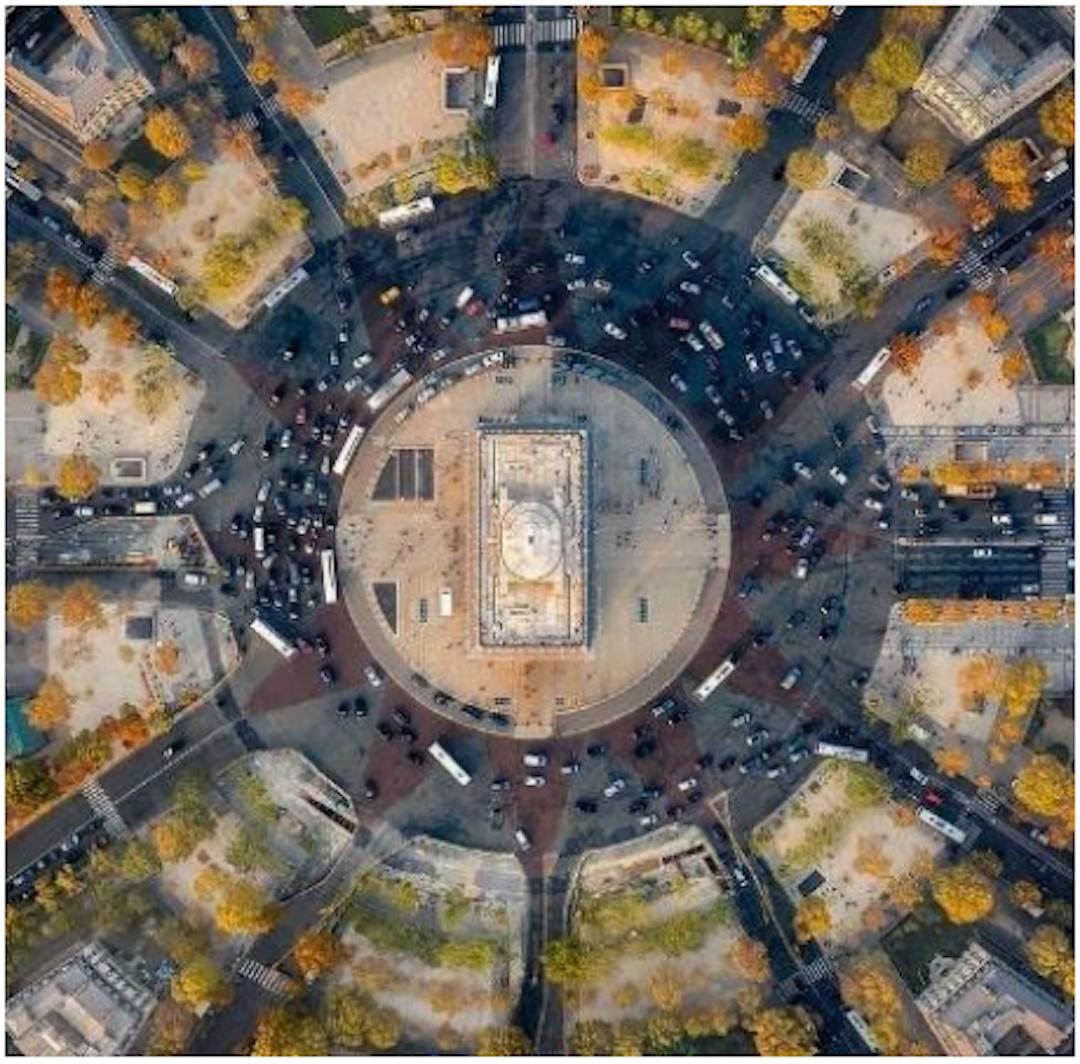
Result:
{"points": [[260, 542], [282, 645], [537, 319], [491, 81], [768, 276], [384, 394], [950, 831], [715, 678], [817, 46], [27, 188], [159, 280], [863, 1028], [348, 450], [873, 368], [329, 577], [407, 212], [443, 758], [146, 508], [279, 292], [844, 753]]}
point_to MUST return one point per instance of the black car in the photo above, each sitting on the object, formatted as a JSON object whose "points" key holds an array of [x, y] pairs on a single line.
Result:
{"points": [[473, 711], [500, 720], [327, 675], [596, 750], [652, 791], [639, 805], [677, 717], [278, 394], [371, 789], [409, 735], [704, 762], [727, 763], [385, 730], [360, 708], [322, 646], [644, 749], [416, 757], [343, 709], [586, 805], [957, 288], [401, 717], [641, 731]]}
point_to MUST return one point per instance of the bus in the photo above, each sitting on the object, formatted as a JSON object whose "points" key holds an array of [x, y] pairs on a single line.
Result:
{"points": [[381, 396], [159, 280], [348, 450], [329, 577], [950, 831], [282, 645], [536, 319], [144, 508], [279, 292], [863, 1029], [491, 81], [769, 277], [817, 46], [439, 753], [407, 212], [873, 368], [843, 753], [715, 678]]}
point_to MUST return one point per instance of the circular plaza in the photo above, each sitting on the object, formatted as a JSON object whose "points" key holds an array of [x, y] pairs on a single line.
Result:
{"points": [[533, 540]]}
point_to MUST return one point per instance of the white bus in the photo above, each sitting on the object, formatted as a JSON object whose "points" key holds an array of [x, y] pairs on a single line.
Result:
{"points": [[950, 831], [282, 645], [873, 368], [159, 280], [491, 81], [844, 753], [279, 292], [407, 212], [448, 763], [863, 1028], [348, 450], [538, 319], [384, 394], [769, 277], [817, 46], [329, 577], [715, 679], [144, 508]]}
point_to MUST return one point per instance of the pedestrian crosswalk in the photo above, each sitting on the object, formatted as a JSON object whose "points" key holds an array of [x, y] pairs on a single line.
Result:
{"points": [[270, 979], [27, 528], [249, 120], [269, 106], [818, 969], [105, 267], [105, 808], [1054, 574], [508, 35], [972, 266], [557, 30], [801, 105]]}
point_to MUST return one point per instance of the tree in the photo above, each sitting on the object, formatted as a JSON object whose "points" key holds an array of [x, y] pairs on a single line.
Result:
{"points": [[952, 761], [739, 49], [925, 164], [1051, 955], [805, 18], [51, 706], [462, 43], [572, 962], [90, 304], [133, 182], [748, 133], [296, 99], [1025, 895], [907, 352], [945, 247], [61, 290], [196, 57], [28, 785], [873, 104], [503, 1042], [122, 328], [868, 987], [243, 910], [750, 959], [1045, 786], [354, 1021], [1005, 162], [1057, 116], [289, 1031], [201, 983], [592, 1038], [1017, 197], [159, 34], [167, 133], [138, 861], [783, 1031], [593, 43], [315, 953], [80, 606], [98, 155], [674, 62], [830, 128], [261, 68], [25, 259], [964, 892], [28, 604], [805, 169], [812, 919], [169, 1029], [77, 477], [896, 61], [168, 194], [754, 83]]}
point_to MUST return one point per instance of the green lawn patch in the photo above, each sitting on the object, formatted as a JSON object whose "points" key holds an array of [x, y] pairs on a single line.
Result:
{"points": [[326, 24], [924, 935], [1047, 344], [733, 18], [11, 328]]}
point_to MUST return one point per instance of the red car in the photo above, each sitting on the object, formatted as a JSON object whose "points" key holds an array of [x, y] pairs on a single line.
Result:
{"points": [[679, 324], [932, 798]]}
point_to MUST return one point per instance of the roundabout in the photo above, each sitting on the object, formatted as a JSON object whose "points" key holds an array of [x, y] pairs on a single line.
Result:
{"points": [[536, 543]]}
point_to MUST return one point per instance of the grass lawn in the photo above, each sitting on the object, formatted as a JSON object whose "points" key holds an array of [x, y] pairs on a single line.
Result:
{"points": [[326, 24], [141, 154], [1047, 344], [732, 17], [736, 1043], [11, 327], [917, 941]]}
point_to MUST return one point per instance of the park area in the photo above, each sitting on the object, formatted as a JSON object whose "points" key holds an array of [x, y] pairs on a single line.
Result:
{"points": [[405, 125], [1050, 346], [435, 936], [958, 380], [230, 242], [872, 853], [656, 118]]}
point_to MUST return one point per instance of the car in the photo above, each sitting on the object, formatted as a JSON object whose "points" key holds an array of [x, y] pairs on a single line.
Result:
{"points": [[534, 781], [827, 633], [740, 720], [794, 349], [649, 820], [327, 675], [791, 677], [803, 470], [767, 409], [371, 789], [726, 417], [752, 362], [801, 569], [596, 750], [586, 805], [172, 749], [873, 504], [521, 837], [534, 759], [957, 288], [713, 395], [691, 261], [570, 768], [982, 552], [757, 737], [921, 778], [616, 786], [555, 340], [838, 475], [687, 784], [572, 258], [706, 761], [373, 676], [285, 442], [601, 285], [645, 748], [614, 331], [932, 798], [577, 284], [693, 343], [768, 361], [664, 707], [679, 384], [690, 288], [880, 481], [278, 393], [237, 445]]}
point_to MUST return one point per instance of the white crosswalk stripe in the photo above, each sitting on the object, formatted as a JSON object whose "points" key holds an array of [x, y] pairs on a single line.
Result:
{"points": [[103, 805], [105, 267], [26, 533], [557, 30], [270, 979], [248, 120], [818, 969], [802, 106], [509, 34], [269, 106]]}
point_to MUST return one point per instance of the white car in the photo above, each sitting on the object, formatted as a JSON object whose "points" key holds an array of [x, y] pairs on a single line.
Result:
{"points": [[264, 490], [576, 285], [921, 778], [694, 343], [574, 259], [793, 349], [87, 511], [649, 820], [880, 481], [353, 383], [679, 384], [803, 470], [614, 331], [424, 395], [237, 445], [802, 568], [362, 360], [691, 261], [687, 784], [713, 395], [1001, 519], [982, 552], [776, 344], [726, 417], [874, 504], [373, 676], [535, 781], [752, 362], [535, 759], [838, 475], [712, 337], [768, 361], [690, 288], [616, 786], [601, 285], [522, 839]]}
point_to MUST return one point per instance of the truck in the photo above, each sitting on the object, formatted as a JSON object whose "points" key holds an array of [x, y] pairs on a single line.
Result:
{"points": [[145, 508], [210, 487]]}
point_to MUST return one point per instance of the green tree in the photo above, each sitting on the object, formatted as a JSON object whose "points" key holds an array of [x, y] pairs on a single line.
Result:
{"points": [[28, 785], [503, 1042], [25, 259], [925, 164], [159, 34], [896, 61], [964, 891], [806, 169], [572, 962], [139, 861], [133, 182], [354, 1021], [289, 1031], [783, 1031], [201, 982], [873, 104]]}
